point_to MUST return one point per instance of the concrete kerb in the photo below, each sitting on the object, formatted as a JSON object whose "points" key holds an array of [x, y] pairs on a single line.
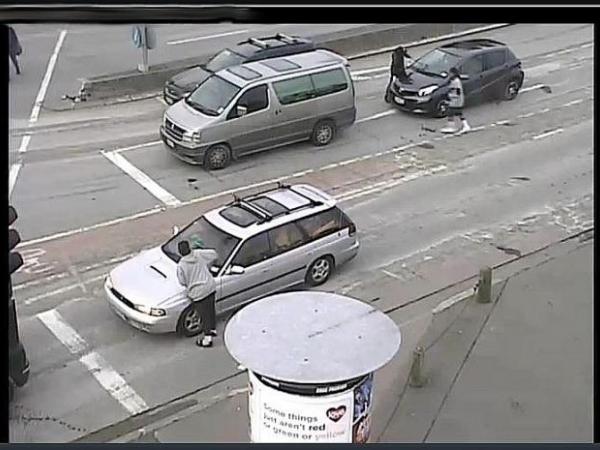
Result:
{"points": [[359, 42]]}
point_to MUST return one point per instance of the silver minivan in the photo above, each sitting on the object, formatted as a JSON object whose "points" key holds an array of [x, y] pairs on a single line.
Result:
{"points": [[261, 105], [267, 242]]}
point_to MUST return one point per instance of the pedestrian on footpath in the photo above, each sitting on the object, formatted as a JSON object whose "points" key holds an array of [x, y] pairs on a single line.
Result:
{"points": [[14, 48], [456, 101], [397, 69], [194, 274]]}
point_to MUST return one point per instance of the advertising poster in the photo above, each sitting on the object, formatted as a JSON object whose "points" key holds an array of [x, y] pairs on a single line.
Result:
{"points": [[361, 417], [279, 417]]}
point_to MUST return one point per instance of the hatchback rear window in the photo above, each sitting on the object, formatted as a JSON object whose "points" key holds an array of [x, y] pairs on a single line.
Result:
{"points": [[494, 59]]}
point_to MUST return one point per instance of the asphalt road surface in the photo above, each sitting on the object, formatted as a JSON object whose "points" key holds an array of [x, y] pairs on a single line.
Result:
{"points": [[526, 165]]}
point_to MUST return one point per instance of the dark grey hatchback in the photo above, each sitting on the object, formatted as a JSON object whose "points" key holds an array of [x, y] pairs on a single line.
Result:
{"points": [[244, 52], [488, 68]]}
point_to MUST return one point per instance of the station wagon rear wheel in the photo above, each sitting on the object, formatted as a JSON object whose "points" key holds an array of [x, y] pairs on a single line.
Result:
{"points": [[190, 321], [319, 271], [217, 157], [323, 133]]}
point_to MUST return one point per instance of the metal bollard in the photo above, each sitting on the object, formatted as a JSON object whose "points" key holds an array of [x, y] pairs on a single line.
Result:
{"points": [[416, 378], [484, 286]]}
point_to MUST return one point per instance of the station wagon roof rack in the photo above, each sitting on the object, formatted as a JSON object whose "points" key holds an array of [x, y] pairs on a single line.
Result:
{"points": [[263, 214], [286, 38], [258, 43], [312, 201]]}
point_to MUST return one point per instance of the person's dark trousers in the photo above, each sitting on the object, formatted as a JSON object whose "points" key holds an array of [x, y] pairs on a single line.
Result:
{"points": [[15, 62], [208, 313]]}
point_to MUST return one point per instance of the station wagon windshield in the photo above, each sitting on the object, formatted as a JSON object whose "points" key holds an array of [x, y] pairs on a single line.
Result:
{"points": [[202, 233], [212, 96], [224, 59], [436, 63]]}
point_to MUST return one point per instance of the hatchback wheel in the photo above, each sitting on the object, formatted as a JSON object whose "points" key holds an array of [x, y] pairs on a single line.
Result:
{"points": [[323, 133], [319, 271], [441, 108], [511, 89], [217, 157], [190, 321]]}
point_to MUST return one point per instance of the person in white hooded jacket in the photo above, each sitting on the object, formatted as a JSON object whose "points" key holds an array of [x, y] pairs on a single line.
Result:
{"points": [[456, 102], [193, 272]]}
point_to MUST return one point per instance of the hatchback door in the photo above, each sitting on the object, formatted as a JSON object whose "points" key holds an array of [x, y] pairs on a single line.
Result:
{"points": [[473, 68], [495, 71], [247, 277]]}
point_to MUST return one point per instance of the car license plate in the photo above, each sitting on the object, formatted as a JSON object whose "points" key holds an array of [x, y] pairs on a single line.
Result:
{"points": [[170, 143], [399, 100]]}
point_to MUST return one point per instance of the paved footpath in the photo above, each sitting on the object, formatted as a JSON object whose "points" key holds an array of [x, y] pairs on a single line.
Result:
{"points": [[519, 369]]}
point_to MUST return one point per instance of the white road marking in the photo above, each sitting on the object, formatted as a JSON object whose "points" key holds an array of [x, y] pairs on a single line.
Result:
{"points": [[114, 383], [390, 274], [136, 147], [389, 112], [574, 102], [141, 178], [549, 133], [62, 290], [152, 211], [531, 88], [12, 176], [203, 38], [53, 320], [35, 112], [448, 303], [108, 377]]}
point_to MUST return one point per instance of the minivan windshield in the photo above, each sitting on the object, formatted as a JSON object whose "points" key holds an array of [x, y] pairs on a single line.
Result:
{"points": [[212, 96], [223, 59], [201, 233], [436, 63]]}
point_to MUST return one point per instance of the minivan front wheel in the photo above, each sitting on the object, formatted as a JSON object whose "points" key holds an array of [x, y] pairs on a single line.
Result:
{"points": [[319, 271], [217, 157], [190, 321], [323, 133]]}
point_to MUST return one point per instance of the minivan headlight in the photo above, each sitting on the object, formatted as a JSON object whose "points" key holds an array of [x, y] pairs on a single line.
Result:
{"points": [[156, 312], [428, 90], [192, 137]]}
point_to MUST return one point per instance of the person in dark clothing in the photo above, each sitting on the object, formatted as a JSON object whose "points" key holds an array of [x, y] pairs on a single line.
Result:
{"points": [[14, 48], [397, 68], [194, 274]]}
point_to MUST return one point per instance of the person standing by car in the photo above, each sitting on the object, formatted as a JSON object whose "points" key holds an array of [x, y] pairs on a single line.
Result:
{"points": [[456, 102], [14, 48], [397, 68], [193, 272]]}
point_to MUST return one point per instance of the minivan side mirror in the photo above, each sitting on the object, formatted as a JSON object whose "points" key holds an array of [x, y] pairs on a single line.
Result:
{"points": [[236, 270], [241, 110], [175, 230]]}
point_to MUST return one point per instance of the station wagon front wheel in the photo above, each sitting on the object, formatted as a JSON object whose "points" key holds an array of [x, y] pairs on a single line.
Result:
{"points": [[323, 133], [190, 321], [319, 271]]}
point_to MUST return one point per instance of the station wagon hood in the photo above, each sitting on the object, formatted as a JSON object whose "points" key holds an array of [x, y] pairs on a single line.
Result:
{"points": [[188, 118], [417, 80], [191, 78], [148, 279]]}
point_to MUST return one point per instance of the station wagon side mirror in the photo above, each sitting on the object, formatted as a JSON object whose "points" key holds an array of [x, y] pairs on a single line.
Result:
{"points": [[236, 270], [464, 77], [241, 110], [175, 230]]}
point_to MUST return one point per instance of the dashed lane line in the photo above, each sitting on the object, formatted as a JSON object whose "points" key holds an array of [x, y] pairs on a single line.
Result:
{"points": [[206, 37], [141, 178], [234, 190], [108, 377], [547, 134]]}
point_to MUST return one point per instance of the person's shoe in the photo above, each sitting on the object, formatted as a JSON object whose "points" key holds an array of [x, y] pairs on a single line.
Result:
{"points": [[465, 127], [205, 342], [212, 333], [448, 129]]}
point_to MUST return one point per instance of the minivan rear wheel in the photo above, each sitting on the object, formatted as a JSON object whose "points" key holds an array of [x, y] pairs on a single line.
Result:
{"points": [[217, 157], [190, 321], [319, 271], [323, 133]]}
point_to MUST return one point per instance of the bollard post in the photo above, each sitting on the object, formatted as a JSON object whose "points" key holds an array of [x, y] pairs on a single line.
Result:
{"points": [[484, 286], [417, 379]]}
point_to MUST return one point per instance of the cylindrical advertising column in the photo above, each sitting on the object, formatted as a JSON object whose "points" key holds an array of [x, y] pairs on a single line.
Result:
{"points": [[310, 358]]}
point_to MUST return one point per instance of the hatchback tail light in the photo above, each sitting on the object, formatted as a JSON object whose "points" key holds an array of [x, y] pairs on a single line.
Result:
{"points": [[352, 229]]}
